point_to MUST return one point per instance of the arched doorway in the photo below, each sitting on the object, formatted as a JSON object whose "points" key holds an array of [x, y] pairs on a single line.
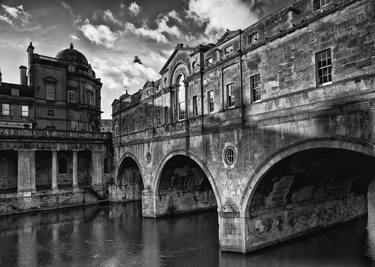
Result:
{"points": [[183, 188], [129, 180], [308, 190]]}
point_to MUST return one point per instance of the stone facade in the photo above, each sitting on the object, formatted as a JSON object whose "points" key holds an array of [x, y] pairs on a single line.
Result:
{"points": [[51, 149], [300, 79], [59, 93]]}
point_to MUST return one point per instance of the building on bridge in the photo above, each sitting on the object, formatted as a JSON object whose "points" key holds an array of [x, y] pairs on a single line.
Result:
{"points": [[52, 152], [106, 125], [272, 125]]}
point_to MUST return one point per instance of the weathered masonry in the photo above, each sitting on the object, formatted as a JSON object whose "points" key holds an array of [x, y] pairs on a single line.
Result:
{"points": [[273, 125], [43, 169], [51, 151]]}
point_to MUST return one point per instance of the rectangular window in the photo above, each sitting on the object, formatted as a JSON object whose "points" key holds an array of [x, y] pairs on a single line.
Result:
{"points": [[181, 102], [181, 110], [228, 49], [158, 116], [50, 112], [323, 61], [230, 95], [74, 125], [166, 115], [5, 109], [71, 96], [210, 61], [318, 4], [50, 91], [25, 111], [210, 101], [90, 97], [255, 87], [15, 92], [253, 38], [195, 106]]}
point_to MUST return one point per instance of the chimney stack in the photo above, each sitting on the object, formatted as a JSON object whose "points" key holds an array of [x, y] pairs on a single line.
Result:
{"points": [[23, 77]]}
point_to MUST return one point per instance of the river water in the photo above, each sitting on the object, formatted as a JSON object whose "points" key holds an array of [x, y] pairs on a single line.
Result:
{"points": [[116, 235]]}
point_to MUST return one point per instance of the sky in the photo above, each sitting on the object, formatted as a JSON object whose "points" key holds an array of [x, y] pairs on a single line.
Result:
{"points": [[110, 33]]}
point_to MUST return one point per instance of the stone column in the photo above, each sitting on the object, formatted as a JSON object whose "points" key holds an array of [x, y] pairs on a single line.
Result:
{"points": [[54, 170], [97, 168], [232, 232], [26, 172], [149, 204], [75, 169]]}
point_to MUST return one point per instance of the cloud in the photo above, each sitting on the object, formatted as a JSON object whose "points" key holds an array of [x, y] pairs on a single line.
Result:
{"points": [[157, 34], [6, 20], [15, 15], [67, 7], [109, 17], [118, 73], [162, 21], [219, 15], [146, 32], [134, 9], [99, 35], [74, 37], [174, 15]]}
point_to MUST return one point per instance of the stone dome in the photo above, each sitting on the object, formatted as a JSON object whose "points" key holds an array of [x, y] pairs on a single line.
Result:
{"points": [[72, 56]]}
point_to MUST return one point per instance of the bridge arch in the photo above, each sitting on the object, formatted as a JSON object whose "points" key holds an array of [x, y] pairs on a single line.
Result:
{"points": [[194, 158], [307, 186], [343, 143], [129, 177]]}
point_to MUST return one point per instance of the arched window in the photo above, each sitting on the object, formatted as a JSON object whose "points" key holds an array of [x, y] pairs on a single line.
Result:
{"points": [[63, 165], [181, 97]]}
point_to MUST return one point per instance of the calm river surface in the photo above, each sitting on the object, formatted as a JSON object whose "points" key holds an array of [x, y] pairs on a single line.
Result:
{"points": [[116, 235]]}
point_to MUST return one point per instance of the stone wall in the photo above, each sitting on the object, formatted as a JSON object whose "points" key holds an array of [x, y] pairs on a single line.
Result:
{"points": [[12, 204]]}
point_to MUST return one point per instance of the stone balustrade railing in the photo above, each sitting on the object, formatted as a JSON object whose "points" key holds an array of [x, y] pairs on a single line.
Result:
{"points": [[44, 133]]}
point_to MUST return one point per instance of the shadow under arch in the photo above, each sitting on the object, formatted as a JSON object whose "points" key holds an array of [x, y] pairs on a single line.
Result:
{"points": [[193, 157], [122, 162], [344, 143]]}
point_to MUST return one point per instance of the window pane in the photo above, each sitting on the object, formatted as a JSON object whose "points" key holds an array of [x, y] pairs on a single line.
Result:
{"points": [[324, 66]]}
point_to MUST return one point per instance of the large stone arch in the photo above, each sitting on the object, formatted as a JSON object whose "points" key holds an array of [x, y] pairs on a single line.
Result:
{"points": [[134, 158], [157, 173], [344, 143], [129, 183]]}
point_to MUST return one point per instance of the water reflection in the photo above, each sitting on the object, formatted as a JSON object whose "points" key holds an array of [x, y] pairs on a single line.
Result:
{"points": [[116, 235]]}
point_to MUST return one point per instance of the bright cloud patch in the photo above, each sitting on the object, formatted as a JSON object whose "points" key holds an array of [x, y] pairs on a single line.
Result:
{"points": [[221, 14], [157, 34], [134, 9], [99, 35], [117, 74], [15, 15], [109, 17]]}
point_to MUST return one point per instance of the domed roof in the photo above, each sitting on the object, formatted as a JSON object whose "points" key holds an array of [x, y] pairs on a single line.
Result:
{"points": [[72, 55]]}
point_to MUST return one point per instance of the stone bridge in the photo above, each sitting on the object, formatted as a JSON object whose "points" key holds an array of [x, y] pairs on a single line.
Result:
{"points": [[298, 160], [293, 172]]}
